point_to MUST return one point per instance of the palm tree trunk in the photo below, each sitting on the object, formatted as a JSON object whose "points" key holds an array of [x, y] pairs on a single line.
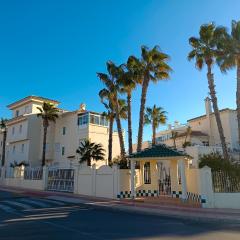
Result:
{"points": [[120, 133], [110, 140], [4, 147], [44, 145], [129, 105], [216, 112], [238, 98], [154, 135], [141, 112]]}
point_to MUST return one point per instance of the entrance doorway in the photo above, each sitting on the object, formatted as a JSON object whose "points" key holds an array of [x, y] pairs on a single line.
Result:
{"points": [[164, 181]]}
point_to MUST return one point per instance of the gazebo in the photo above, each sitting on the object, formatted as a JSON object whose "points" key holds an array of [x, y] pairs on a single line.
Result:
{"points": [[161, 172]]}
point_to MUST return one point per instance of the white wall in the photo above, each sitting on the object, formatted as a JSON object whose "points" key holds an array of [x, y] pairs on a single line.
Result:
{"points": [[227, 200]]}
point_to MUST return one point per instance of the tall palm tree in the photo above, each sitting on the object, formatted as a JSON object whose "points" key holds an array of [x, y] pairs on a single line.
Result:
{"points": [[204, 51], [152, 67], [89, 151], [104, 95], [174, 138], [230, 58], [48, 113], [3, 127], [187, 134], [128, 82], [111, 82], [155, 116]]}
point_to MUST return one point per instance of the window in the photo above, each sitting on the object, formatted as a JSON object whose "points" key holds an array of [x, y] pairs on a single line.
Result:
{"points": [[14, 149], [13, 130], [22, 148], [17, 113], [64, 130], [147, 173], [83, 119], [26, 109], [63, 150], [94, 119], [20, 129]]}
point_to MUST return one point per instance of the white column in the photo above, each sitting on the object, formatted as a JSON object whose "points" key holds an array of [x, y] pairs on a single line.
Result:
{"points": [[133, 193], [45, 177], [183, 179]]}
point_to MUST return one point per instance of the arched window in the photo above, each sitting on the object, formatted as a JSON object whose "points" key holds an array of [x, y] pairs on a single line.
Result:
{"points": [[147, 173]]}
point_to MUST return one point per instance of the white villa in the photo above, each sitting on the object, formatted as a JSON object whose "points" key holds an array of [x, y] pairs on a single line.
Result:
{"points": [[25, 133], [203, 137]]}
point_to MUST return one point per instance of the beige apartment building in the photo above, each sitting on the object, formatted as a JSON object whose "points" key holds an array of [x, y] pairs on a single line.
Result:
{"points": [[25, 134]]}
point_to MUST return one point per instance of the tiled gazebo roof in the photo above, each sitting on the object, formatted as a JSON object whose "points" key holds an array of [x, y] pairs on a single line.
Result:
{"points": [[160, 150]]}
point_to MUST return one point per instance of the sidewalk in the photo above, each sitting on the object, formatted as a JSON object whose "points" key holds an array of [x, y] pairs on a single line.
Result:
{"points": [[181, 212]]}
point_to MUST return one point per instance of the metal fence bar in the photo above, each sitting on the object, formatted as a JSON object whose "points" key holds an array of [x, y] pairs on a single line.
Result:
{"points": [[61, 180], [225, 182]]}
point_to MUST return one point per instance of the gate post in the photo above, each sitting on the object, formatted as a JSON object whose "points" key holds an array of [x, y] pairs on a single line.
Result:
{"points": [[45, 177], [75, 183], [94, 172]]}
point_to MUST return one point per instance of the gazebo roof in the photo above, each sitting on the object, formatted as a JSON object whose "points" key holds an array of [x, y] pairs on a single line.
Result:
{"points": [[160, 150]]}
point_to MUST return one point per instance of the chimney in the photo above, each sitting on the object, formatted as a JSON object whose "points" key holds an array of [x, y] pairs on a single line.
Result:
{"points": [[208, 106], [176, 124], [82, 107]]}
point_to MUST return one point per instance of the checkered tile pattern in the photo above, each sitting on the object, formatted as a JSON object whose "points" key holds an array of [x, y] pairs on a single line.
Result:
{"points": [[139, 193], [176, 194], [194, 197], [147, 193]]}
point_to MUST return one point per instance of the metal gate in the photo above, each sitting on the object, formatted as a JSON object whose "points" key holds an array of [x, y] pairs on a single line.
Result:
{"points": [[61, 180], [164, 181]]}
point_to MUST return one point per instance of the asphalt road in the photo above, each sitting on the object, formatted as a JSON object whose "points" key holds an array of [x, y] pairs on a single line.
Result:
{"points": [[55, 220]]}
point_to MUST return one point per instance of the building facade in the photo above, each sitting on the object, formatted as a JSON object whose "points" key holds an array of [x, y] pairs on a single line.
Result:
{"points": [[25, 134], [201, 134]]}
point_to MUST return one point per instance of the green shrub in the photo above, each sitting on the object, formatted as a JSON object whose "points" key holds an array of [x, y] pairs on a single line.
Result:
{"points": [[217, 163]]}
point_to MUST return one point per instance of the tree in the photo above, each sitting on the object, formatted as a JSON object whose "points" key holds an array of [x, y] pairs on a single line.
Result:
{"points": [[187, 134], [204, 51], [104, 95], [3, 127], [128, 82], [230, 58], [174, 137], [155, 116], [89, 151], [151, 67], [111, 81], [48, 113]]}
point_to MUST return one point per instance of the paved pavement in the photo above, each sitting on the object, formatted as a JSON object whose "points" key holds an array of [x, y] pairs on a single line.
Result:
{"points": [[64, 217]]}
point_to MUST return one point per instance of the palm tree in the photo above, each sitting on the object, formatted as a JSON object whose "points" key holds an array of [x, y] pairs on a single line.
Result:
{"points": [[111, 82], [230, 58], [155, 116], [89, 151], [174, 137], [128, 82], [188, 133], [104, 95], [151, 67], [204, 51], [48, 113], [3, 127]]}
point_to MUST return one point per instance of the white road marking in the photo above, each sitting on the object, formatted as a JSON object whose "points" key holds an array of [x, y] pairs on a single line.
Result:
{"points": [[18, 204], [35, 202], [67, 199]]}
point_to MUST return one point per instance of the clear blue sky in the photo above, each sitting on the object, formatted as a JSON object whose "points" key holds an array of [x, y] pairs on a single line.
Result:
{"points": [[54, 49]]}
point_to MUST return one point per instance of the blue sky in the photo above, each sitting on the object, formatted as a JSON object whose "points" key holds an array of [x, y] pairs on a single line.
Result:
{"points": [[54, 49]]}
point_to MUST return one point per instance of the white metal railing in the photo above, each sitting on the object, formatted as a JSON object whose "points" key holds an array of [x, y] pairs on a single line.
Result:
{"points": [[33, 173]]}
